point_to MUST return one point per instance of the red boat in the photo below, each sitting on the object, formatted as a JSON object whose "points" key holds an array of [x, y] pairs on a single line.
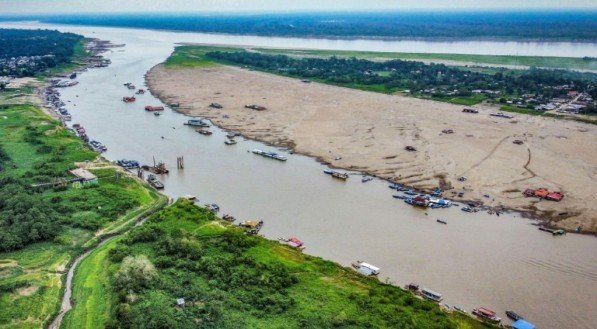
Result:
{"points": [[150, 108], [486, 314], [127, 99]]}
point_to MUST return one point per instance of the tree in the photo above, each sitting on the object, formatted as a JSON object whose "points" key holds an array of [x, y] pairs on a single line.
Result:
{"points": [[136, 272]]}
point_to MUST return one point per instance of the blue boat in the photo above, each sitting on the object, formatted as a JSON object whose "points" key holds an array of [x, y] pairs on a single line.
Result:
{"points": [[410, 192]]}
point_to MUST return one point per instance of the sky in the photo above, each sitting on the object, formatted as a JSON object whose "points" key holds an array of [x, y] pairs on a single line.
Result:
{"points": [[87, 6]]}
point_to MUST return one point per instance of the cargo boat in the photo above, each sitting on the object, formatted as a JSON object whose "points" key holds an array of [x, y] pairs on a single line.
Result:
{"points": [[336, 174], [271, 155]]}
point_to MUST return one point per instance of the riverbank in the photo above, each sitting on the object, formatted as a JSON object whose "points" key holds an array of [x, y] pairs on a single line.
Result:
{"points": [[244, 281], [368, 132]]}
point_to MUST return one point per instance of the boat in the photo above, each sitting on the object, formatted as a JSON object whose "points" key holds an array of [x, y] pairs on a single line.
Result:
{"points": [[410, 192], [157, 114], [228, 218], [128, 99], [159, 168], [153, 181], [365, 268], [204, 132], [412, 287], [366, 179], [190, 197], [232, 134], [554, 232], [197, 123], [442, 221], [252, 226], [212, 207], [128, 164], [140, 92], [293, 242], [468, 209], [501, 115], [513, 315], [486, 314], [399, 196], [271, 155], [150, 108], [336, 174], [394, 186], [459, 309], [97, 146], [230, 142], [431, 295]]}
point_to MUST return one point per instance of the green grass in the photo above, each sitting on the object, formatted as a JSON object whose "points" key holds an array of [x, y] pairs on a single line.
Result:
{"points": [[193, 56], [462, 100], [111, 206], [323, 294], [79, 54], [458, 59]]}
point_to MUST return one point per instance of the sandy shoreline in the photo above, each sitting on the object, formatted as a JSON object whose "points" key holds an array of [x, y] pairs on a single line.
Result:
{"points": [[367, 132]]}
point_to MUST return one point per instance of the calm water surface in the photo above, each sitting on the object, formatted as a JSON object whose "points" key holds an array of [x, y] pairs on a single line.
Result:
{"points": [[476, 260]]}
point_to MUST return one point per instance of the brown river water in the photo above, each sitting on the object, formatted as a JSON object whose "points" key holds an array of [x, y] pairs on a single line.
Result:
{"points": [[475, 260]]}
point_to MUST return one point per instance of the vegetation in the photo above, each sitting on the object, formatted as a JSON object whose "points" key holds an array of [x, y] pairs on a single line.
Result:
{"points": [[537, 25], [571, 63], [42, 230], [232, 280], [437, 81], [27, 52]]}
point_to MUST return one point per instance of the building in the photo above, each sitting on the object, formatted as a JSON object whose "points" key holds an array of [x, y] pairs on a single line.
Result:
{"points": [[84, 175]]}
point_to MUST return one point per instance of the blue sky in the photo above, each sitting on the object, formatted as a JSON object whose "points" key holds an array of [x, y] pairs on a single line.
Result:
{"points": [[65, 6]]}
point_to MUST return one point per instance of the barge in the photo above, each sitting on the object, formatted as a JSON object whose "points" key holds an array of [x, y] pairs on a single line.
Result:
{"points": [[336, 174], [271, 155]]}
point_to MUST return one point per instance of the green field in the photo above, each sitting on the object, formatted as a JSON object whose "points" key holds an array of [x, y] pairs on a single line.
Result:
{"points": [[39, 149], [455, 59], [232, 280]]}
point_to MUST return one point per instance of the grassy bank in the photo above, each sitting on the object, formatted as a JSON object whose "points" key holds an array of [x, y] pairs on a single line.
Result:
{"points": [[232, 280], [36, 149], [570, 63]]}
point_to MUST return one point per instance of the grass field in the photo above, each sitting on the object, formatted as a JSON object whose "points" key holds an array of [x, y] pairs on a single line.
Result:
{"points": [[30, 278], [231, 280]]}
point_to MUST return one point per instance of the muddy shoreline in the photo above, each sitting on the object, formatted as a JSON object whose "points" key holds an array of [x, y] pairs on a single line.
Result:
{"points": [[163, 84]]}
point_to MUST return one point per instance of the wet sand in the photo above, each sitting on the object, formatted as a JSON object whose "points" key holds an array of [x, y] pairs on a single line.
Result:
{"points": [[368, 132]]}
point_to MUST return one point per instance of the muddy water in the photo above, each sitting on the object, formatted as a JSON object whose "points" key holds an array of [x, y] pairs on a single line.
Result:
{"points": [[475, 260]]}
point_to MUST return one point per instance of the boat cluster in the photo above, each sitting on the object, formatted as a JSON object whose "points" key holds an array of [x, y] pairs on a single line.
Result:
{"points": [[128, 164]]}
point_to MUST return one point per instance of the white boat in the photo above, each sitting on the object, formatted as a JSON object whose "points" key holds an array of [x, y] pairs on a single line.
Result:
{"points": [[431, 295], [271, 155]]}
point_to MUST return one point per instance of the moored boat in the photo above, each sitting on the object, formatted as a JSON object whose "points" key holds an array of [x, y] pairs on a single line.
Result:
{"points": [[293, 242], [252, 226], [128, 164], [336, 174], [513, 315], [230, 142], [204, 132], [128, 99], [228, 218], [212, 207], [366, 179], [431, 295], [271, 155], [197, 123], [150, 108], [153, 181], [441, 221], [365, 269], [486, 314]]}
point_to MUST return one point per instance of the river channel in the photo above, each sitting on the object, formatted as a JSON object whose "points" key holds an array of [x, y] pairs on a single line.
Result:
{"points": [[475, 260]]}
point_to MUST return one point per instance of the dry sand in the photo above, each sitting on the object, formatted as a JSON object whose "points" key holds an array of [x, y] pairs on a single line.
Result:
{"points": [[369, 132]]}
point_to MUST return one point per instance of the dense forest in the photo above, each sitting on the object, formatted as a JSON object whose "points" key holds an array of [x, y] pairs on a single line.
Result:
{"points": [[26, 52], [537, 25], [186, 269], [435, 80]]}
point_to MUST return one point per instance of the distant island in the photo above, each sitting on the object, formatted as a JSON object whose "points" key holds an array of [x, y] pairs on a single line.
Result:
{"points": [[450, 25]]}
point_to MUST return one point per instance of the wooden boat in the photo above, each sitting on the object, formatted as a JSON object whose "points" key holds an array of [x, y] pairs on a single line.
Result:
{"points": [[140, 92], [212, 207], [252, 226], [153, 181], [514, 316], [230, 142], [336, 174], [128, 99], [293, 242], [150, 108], [204, 132], [486, 314], [159, 168], [197, 123], [366, 179], [228, 218], [190, 197], [441, 221]]}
